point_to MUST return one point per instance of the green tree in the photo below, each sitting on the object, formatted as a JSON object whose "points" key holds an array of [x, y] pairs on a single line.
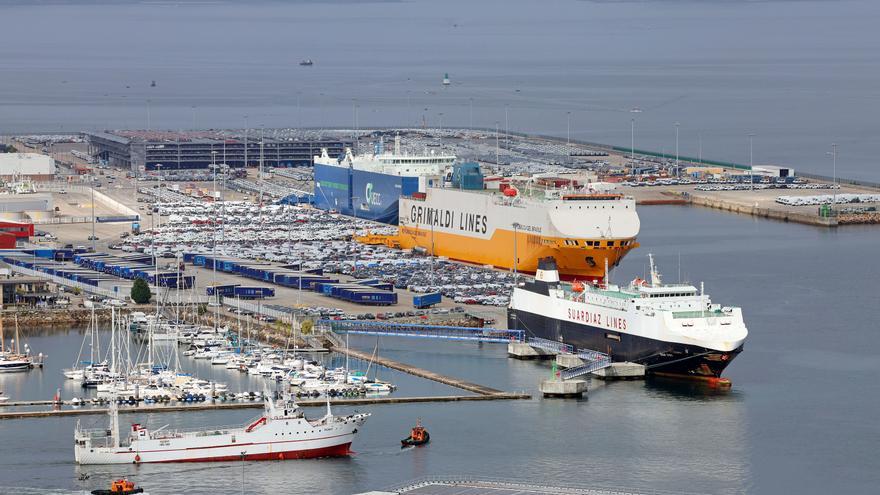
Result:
{"points": [[306, 327], [140, 291]]}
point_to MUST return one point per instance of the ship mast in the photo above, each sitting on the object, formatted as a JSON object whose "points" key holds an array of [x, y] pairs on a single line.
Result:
{"points": [[655, 275], [113, 412]]}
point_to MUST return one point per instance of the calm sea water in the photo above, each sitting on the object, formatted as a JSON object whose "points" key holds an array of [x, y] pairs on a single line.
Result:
{"points": [[798, 74], [800, 417]]}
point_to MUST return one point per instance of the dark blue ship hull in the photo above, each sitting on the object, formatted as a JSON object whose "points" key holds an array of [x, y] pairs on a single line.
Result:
{"points": [[659, 357], [367, 195]]}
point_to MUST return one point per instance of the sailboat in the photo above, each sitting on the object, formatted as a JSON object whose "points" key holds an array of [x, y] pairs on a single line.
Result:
{"points": [[374, 385], [13, 360], [80, 368]]}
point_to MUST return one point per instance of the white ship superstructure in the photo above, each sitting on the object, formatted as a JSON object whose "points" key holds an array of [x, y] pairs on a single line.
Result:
{"points": [[671, 329], [282, 432]]}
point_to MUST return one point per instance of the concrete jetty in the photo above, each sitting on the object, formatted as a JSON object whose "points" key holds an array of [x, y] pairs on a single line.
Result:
{"points": [[522, 350], [207, 406], [555, 387], [412, 370]]}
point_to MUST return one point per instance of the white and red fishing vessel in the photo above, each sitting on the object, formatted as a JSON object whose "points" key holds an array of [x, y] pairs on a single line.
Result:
{"points": [[282, 432]]}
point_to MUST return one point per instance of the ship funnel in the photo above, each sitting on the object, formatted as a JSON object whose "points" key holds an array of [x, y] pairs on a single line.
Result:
{"points": [[547, 271]]}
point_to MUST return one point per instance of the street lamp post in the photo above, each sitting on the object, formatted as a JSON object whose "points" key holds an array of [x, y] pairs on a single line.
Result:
{"points": [[158, 214], [833, 154], [677, 125], [93, 215], [497, 150], [568, 129], [632, 140], [516, 227], [751, 162], [632, 134]]}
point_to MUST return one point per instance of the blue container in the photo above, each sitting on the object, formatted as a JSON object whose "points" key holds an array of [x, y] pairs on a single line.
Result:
{"points": [[368, 296], [426, 300], [253, 292], [223, 290]]}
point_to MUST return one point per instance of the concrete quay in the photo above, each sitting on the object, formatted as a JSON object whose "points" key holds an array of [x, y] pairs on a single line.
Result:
{"points": [[430, 375], [259, 405], [568, 361], [555, 387], [521, 350], [621, 371]]}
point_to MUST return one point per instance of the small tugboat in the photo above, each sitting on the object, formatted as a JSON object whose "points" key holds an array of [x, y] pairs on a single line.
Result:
{"points": [[418, 436], [119, 487]]}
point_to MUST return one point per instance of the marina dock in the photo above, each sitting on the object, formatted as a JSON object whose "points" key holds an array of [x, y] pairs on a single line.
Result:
{"points": [[255, 405], [430, 375]]}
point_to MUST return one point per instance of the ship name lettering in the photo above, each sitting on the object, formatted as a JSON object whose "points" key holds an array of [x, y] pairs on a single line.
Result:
{"points": [[472, 222], [438, 217], [590, 318]]}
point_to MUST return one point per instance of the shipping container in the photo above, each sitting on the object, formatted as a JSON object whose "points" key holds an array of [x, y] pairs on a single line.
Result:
{"points": [[223, 290], [253, 292], [367, 295], [426, 300]]}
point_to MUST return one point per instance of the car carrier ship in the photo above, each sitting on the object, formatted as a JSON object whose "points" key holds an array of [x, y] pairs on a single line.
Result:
{"points": [[672, 330], [282, 432], [582, 230], [368, 186]]}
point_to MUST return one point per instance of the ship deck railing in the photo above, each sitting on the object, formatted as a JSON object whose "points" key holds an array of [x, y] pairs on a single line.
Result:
{"points": [[700, 314], [417, 330], [550, 345], [201, 432], [588, 367]]}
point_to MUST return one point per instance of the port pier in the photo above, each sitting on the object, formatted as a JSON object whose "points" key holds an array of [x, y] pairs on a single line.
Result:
{"points": [[209, 406], [576, 366], [523, 351], [559, 388]]}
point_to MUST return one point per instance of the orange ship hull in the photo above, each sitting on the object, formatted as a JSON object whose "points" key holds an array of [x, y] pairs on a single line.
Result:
{"points": [[582, 259]]}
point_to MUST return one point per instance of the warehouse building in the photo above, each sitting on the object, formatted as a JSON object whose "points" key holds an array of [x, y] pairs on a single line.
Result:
{"points": [[33, 166], [773, 171], [166, 150]]}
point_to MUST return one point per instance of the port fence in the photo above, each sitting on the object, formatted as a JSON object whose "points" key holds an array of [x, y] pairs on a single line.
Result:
{"points": [[443, 332], [91, 289], [257, 308], [550, 345], [60, 220], [512, 485]]}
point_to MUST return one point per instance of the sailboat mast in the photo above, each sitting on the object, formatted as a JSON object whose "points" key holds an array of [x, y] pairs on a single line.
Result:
{"points": [[2, 338], [17, 339], [113, 340]]}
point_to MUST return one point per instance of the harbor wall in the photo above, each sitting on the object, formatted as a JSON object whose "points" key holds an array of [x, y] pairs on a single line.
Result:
{"points": [[776, 214]]}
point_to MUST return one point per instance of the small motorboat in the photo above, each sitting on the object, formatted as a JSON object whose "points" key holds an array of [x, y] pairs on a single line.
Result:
{"points": [[119, 487], [307, 63], [418, 436]]}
